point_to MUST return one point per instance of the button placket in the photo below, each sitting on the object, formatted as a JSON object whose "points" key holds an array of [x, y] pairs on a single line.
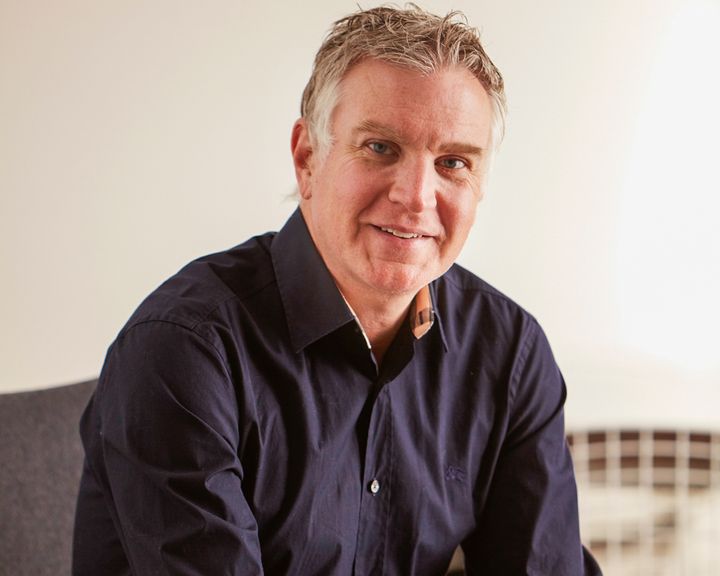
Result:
{"points": [[375, 506]]}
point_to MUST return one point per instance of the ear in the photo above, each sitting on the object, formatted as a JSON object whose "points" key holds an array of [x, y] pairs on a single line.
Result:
{"points": [[302, 155]]}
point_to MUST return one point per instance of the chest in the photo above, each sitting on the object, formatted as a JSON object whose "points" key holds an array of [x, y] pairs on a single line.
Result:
{"points": [[350, 471]]}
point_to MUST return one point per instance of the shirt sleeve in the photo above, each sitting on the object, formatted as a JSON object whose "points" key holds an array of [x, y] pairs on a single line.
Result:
{"points": [[529, 522], [167, 415]]}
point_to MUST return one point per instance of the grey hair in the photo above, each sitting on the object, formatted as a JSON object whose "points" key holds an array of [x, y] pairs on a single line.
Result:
{"points": [[410, 38]]}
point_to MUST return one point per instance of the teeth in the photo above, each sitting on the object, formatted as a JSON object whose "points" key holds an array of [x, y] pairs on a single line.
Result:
{"points": [[406, 235]]}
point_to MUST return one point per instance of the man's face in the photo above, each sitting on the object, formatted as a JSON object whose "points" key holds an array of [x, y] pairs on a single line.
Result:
{"points": [[390, 205]]}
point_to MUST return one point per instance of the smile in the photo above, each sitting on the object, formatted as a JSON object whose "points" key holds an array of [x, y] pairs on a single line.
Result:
{"points": [[405, 235]]}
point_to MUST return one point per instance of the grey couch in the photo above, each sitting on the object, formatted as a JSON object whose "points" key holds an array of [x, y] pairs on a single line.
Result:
{"points": [[40, 463]]}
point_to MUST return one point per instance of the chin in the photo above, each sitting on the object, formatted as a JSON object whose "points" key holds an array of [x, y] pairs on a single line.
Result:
{"points": [[397, 282]]}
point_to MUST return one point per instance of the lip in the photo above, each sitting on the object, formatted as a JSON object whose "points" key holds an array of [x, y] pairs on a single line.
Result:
{"points": [[402, 232]]}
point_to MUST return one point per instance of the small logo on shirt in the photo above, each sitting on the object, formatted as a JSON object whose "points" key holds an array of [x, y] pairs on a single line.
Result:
{"points": [[455, 473]]}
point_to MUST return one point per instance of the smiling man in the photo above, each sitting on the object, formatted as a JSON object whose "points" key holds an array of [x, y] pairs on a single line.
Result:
{"points": [[341, 398], [390, 203]]}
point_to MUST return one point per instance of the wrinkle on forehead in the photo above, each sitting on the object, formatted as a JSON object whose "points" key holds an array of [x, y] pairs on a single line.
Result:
{"points": [[444, 105]]}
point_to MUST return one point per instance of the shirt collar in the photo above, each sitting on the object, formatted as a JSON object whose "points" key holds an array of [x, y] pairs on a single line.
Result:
{"points": [[314, 307], [422, 313]]}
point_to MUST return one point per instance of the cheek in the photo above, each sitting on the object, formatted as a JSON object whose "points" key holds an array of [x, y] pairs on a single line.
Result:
{"points": [[359, 190], [458, 216]]}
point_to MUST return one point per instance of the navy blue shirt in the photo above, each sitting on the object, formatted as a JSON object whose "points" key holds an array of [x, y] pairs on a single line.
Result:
{"points": [[241, 426]]}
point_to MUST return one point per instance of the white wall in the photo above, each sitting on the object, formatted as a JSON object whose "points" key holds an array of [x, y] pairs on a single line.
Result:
{"points": [[137, 135]]}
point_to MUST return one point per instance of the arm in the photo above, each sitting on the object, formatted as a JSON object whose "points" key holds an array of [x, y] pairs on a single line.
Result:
{"points": [[529, 523], [166, 443]]}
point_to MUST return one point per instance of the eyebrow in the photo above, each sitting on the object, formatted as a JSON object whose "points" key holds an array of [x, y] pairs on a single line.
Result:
{"points": [[395, 136], [385, 131]]}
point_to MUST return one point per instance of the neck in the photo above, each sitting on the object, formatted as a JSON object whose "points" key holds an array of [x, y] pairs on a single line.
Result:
{"points": [[380, 319]]}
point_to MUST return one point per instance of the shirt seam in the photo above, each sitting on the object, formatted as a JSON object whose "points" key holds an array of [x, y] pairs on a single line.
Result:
{"points": [[233, 296], [193, 324], [192, 329], [528, 339]]}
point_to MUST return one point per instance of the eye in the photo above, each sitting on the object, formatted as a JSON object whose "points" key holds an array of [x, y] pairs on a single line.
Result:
{"points": [[452, 163], [380, 148]]}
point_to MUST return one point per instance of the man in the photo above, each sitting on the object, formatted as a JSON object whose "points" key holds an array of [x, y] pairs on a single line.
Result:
{"points": [[340, 398]]}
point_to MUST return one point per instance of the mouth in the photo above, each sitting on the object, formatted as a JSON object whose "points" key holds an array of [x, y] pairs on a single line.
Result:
{"points": [[400, 234]]}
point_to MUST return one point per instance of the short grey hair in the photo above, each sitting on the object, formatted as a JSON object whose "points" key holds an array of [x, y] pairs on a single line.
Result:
{"points": [[410, 38]]}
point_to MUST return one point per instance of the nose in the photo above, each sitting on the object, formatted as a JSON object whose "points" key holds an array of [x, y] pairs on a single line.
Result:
{"points": [[414, 185]]}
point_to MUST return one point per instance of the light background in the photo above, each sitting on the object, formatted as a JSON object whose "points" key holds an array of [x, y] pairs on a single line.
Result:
{"points": [[137, 135]]}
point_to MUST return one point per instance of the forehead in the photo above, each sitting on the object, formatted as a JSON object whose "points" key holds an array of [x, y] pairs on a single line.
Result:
{"points": [[430, 109]]}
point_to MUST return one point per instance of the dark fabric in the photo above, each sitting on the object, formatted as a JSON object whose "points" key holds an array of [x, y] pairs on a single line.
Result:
{"points": [[40, 462], [241, 426]]}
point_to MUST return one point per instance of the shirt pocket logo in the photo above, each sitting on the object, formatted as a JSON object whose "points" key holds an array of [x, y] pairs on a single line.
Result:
{"points": [[455, 473]]}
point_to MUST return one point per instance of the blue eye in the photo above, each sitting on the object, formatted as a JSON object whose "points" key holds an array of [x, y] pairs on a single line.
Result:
{"points": [[379, 147], [452, 163]]}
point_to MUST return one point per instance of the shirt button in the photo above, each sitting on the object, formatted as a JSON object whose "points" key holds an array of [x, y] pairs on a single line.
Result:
{"points": [[374, 486]]}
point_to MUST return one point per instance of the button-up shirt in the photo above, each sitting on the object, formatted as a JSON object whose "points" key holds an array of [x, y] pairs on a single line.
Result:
{"points": [[241, 426]]}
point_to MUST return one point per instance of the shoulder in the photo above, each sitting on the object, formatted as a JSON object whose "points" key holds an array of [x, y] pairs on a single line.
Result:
{"points": [[203, 289], [210, 305], [470, 307], [486, 328], [192, 327]]}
